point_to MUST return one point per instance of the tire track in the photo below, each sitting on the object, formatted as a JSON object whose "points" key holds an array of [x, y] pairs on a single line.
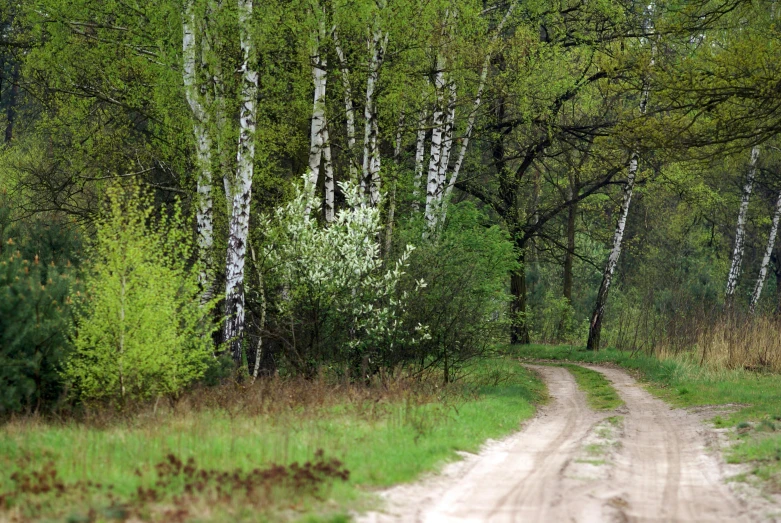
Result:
{"points": [[661, 471]]}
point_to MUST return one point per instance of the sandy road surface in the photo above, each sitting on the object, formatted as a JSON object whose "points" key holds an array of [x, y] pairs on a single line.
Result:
{"points": [[572, 464]]}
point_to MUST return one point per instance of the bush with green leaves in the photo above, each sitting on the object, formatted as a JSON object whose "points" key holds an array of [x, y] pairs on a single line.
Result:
{"points": [[337, 304], [464, 303], [140, 329]]}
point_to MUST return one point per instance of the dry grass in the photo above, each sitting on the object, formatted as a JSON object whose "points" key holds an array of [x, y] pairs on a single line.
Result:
{"points": [[741, 343]]}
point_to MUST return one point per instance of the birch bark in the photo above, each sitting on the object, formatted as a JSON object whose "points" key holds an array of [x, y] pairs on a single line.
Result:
{"points": [[203, 141], [349, 110], [595, 327], [435, 157], [420, 152], [328, 168], [771, 240], [242, 191], [464, 142], [318, 126], [370, 171], [740, 232], [447, 140]]}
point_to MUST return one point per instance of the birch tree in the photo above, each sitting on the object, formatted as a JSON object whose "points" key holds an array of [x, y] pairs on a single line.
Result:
{"points": [[349, 109], [370, 182], [318, 132], [771, 240], [740, 231], [203, 142], [242, 189], [595, 325]]}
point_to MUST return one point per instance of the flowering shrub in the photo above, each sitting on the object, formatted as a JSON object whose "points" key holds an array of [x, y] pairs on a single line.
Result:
{"points": [[338, 301]]}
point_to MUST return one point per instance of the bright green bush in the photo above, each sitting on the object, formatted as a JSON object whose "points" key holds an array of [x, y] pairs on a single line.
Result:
{"points": [[140, 329]]}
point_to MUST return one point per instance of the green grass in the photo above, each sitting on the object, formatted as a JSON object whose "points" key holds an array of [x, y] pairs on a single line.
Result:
{"points": [[380, 440], [600, 394], [752, 400]]}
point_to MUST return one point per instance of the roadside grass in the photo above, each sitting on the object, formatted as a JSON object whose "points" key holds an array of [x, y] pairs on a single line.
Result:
{"points": [[753, 398], [278, 450], [600, 394]]}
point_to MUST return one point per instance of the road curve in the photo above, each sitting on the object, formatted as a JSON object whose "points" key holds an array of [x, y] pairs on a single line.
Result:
{"points": [[567, 465]]}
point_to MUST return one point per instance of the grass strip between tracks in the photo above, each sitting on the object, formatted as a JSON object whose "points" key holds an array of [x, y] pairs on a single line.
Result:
{"points": [[600, 394]]}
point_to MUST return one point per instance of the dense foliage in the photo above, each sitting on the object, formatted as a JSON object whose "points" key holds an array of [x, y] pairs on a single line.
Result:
{"points": [[600, 173]]}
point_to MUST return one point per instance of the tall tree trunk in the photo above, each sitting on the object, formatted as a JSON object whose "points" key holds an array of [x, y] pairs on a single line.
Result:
{"points": [[242, 194], [519, 332], [464, 142], [349, 109], [771, 240], [318, 125], [595, 327], [203, 142], [447, 140], [420, 153], [328, 168], [435, 157], [740, 232], [370, 171]]}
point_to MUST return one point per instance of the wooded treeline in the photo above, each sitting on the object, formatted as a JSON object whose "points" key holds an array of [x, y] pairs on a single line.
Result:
{"points": [[361, 186]]}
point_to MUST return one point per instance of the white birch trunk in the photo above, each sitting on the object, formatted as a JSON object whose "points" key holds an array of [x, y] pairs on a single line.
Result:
{"points": [[740, 232], [328, 167], [771, 241], [435, 157], [318, 126], [349, 110], [595, 326], [464, 142], [203, 141], [370, 171], [242, 190], [420, 153], [447, 140]]}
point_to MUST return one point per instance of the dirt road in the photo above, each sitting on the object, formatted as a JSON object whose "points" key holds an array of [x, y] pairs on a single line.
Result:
{"points": [[644, 462]]}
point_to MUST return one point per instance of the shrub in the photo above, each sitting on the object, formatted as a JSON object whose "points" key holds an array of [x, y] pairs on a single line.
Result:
{"points": [[464, 304], [140, 329], [336, 302]]}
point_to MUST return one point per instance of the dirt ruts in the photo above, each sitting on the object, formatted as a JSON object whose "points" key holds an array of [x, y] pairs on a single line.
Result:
{"points": [[644, 462]]}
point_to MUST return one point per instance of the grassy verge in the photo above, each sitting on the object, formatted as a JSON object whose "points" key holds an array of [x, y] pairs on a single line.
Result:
{"points": [[275, 451], [600, 394], [755, 422]]}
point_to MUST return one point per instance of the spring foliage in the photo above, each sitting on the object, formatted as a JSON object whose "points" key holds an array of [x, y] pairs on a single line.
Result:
{"points": [[341, 301], [140, 327]]}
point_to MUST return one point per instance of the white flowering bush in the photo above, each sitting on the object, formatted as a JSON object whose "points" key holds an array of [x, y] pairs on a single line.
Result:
{"points": [[338, 300]]}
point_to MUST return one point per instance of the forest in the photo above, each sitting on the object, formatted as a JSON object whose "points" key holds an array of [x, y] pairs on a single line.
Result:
{"points": [[242, 217]]}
